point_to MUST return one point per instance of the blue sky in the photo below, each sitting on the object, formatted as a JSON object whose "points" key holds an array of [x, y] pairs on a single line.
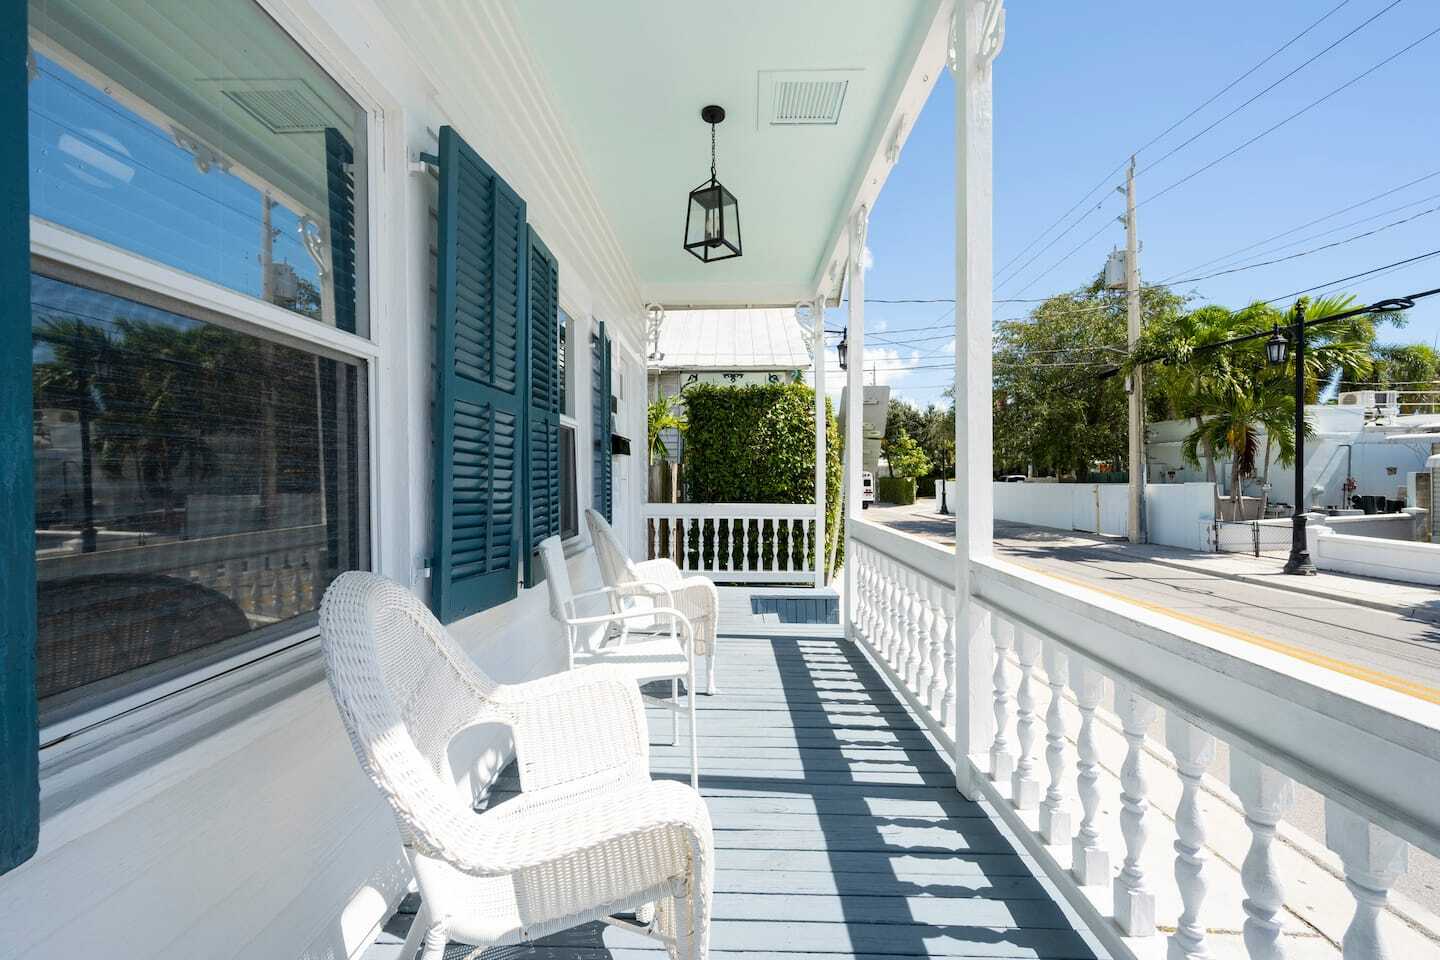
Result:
{"points": [[1080, 86]]}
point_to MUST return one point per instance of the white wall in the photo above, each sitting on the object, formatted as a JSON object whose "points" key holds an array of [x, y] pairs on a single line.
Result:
{"points": [[1180, 514], [1401, 560], [232, 820], [1090, 507]]}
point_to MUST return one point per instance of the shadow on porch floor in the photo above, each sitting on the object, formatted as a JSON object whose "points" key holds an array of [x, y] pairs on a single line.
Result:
{"points": [[838, 830]]}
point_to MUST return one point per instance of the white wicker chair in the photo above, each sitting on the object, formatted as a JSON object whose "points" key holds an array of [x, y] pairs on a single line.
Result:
{"points": [[594, 639], [639, 586], [590, 835]]}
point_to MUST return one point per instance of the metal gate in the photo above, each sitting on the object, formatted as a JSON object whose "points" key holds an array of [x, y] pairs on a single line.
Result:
{"points": [[1252, 537]]}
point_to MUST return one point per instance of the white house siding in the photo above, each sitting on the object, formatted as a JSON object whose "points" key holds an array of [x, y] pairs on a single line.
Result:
{"points": [[233, 820]]}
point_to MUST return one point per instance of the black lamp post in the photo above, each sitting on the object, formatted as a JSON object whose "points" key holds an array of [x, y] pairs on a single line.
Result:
{"points": [[843, 350], [1275, 350]]}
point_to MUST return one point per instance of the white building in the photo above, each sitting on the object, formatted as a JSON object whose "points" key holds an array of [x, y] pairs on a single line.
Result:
{"points": [[1371, 445]]}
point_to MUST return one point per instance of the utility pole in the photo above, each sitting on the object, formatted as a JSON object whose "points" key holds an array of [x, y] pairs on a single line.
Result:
{"points": [[1137, 393]]}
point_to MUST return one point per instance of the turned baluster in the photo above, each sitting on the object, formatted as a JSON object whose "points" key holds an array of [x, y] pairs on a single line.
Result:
{"points": [[1374, 859], [891, 610], [1090, 862], [1134, 900], [869, 625], [934, 695], [914, 631], [904, 621], [1054, 815], [1002, 761], [947, 672], [924, 645], [1193, 750], [1024, 786], [1265, 794]]}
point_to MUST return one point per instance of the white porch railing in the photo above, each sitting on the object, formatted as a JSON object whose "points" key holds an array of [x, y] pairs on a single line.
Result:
{"points": [[1372, 753], [746, 543]]}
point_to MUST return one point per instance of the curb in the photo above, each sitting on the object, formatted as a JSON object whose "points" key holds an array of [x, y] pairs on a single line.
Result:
{"points": [[1400, 609]]}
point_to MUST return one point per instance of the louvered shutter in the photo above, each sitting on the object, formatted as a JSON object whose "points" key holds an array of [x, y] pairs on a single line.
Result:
{"points": [[340, 187], [601, 426], [542, 388], [19, 742], [480, 281]]}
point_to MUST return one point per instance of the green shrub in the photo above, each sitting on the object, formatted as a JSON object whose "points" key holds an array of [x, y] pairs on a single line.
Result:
{"points": [[925, 487], [756, 444], [900, 490]]}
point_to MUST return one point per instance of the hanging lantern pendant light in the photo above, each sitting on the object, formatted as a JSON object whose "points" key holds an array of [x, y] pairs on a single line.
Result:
{"points": [[712, 218]]}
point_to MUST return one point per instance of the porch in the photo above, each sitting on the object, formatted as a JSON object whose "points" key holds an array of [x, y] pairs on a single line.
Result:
{"points": [[838, 831]]}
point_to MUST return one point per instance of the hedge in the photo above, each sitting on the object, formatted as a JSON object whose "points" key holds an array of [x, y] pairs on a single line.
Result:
{"points": [[898, 490], [756, 444]]}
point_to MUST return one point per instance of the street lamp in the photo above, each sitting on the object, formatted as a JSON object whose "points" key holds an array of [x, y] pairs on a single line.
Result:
{"points": [[1275, 350], [843, 350]]}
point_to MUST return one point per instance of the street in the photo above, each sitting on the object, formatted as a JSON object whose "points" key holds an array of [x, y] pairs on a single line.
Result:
{"points": [[1369, 639]]}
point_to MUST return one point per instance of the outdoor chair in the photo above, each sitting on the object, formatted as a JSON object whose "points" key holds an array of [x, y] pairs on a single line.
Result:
{"points": [[640, 586], [602, 639], [590, 835]]}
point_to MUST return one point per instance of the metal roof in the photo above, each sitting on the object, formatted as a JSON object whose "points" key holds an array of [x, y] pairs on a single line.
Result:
{"points": [[755, 339]]}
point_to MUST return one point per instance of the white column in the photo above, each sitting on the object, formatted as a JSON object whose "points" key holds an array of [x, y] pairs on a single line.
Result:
{"points": [[976, 32], [1374, 859], [817, 318], [855, 390]]}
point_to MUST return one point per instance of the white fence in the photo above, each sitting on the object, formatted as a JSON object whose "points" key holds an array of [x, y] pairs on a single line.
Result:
{"points": [[1092, 507], [1035, 651], [1402, 560], [741, 543]]}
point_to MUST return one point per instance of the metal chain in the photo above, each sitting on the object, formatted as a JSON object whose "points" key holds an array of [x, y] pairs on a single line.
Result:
{"points": [[712, 153]]}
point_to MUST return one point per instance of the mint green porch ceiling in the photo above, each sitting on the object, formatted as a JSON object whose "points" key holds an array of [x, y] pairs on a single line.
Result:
{"points": [[629, 80]]}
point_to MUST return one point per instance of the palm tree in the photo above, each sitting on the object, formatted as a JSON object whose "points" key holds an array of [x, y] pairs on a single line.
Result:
{"points": [[1233, 424], [662, 416], [81, 353]]}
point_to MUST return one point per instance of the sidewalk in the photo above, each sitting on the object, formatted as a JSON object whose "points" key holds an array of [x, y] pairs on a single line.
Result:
{"points": [[1404, 599]]}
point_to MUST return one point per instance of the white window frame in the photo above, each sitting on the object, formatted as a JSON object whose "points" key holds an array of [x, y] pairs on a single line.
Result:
{"points": [[575, 318], [229, 677]]}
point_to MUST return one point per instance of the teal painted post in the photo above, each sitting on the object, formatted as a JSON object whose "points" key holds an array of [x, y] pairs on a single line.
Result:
{"points": [[19, 738]]}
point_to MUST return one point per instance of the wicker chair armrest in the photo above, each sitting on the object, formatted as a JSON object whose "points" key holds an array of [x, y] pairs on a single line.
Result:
{"points": [[576, 725], [552, 844], [659, 570]]}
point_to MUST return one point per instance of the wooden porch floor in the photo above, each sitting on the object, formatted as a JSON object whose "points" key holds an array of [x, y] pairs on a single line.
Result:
{"points": [[838, 830]]}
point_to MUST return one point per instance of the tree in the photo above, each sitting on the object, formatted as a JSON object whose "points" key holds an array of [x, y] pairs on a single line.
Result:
{"points": [[903, 417], [1054, 410], [662, 416], [905, 457]]}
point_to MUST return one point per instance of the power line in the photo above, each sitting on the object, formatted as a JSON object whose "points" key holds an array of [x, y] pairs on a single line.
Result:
{"points": [[1176, 149], [1074, 250], [1311, 223], [1306, 253], [1056, 239], [1356, 276], [1162, 135], [1303, 110]]}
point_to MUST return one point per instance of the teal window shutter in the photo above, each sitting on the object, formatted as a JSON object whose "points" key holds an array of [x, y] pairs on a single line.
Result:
{"points": [[542, 412], [479, 412], [19, 739], [601, 426], [340, 187]]}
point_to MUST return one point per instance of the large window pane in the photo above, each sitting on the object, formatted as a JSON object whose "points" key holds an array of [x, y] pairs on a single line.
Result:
{"points": [[196, 487], [199, 134]]}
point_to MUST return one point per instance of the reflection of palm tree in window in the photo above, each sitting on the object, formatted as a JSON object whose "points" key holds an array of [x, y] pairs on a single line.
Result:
{"points": [[80, 353]]}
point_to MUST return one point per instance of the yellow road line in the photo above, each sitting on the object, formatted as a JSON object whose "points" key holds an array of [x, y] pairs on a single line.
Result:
{"points": [[1388, 681]]}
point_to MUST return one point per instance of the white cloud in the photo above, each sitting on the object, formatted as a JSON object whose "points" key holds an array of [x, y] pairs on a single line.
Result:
{"points": [[867, 259]]}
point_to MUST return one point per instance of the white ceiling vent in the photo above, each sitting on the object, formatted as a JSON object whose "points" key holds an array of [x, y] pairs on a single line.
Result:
{"points": [[282, 106], [803, 97]]}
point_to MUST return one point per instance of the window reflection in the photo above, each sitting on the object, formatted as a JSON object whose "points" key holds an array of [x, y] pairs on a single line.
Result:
{"points": [[193, 483], [198, 134]]}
